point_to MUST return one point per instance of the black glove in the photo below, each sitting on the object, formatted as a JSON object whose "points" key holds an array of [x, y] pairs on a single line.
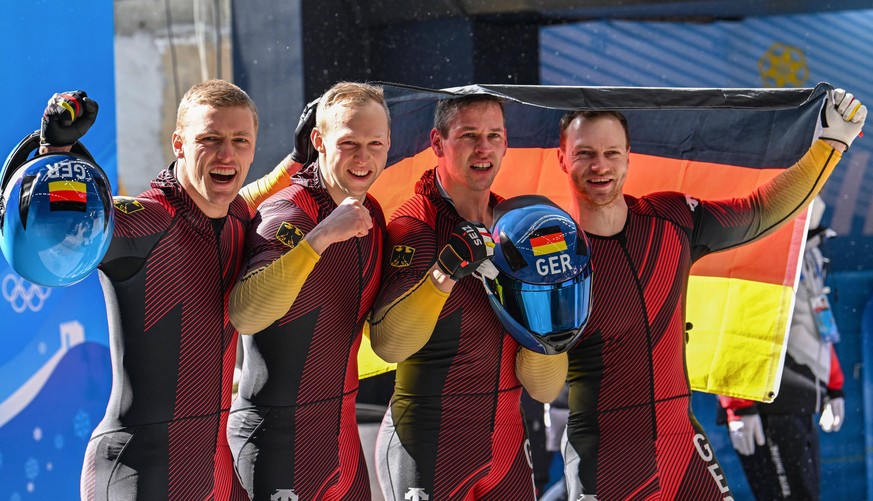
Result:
{"points": [[469, 245], [67, 118], [304, 152]]}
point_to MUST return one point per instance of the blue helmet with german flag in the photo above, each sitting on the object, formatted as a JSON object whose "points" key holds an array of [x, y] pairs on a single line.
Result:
{"points": [[542, 293], [56, 215]]}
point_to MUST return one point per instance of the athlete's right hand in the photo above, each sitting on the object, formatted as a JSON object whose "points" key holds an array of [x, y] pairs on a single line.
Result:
{"points": [[842, 117], [67, 118], [349, 219], [469, 245], [745, 432], [304, 152]]}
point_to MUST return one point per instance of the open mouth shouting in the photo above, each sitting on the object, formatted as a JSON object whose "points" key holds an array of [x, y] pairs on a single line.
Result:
{"points": [[222, 175]]}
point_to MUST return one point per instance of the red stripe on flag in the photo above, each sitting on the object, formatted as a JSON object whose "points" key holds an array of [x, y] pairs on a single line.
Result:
{"points": [[68, 196], [536, 170], [551, 238]]}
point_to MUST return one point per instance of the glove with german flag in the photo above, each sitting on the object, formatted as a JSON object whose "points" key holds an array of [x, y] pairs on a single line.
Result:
{"points": [[469, 246], [67, 118]]}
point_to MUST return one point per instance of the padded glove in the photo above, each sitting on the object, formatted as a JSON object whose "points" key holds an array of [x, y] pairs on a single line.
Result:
{"points": [[745, 432], [842, 117], [67, 118], [469, 245], [304, 151]]}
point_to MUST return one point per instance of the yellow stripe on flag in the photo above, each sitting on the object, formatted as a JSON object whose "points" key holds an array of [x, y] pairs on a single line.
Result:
{"points": [[67, 186], [722, 356]]}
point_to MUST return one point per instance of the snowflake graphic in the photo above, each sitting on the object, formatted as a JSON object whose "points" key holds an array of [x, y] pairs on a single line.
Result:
{"points": [[31, 468], [82, 425]]}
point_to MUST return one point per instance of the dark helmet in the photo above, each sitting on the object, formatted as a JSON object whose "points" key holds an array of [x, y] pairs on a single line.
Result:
{"points": [[56, 214], [542, 293]]}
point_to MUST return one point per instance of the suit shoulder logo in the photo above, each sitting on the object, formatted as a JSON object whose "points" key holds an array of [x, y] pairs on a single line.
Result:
{"points": [[692, 202], [401, 256], [127, 205], [289, 234]]}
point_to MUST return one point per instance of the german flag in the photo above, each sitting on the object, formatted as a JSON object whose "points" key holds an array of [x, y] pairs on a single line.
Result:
{"points": [[67, 196], [547, 241], [709, 143]]}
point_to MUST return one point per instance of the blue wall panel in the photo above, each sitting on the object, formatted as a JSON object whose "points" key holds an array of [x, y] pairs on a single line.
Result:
{"points": [[54, 365], [773, 51]]}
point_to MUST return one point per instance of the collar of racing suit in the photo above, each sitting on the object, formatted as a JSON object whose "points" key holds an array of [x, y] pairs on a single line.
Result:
{"points": [[168, 184], [430, 187]]}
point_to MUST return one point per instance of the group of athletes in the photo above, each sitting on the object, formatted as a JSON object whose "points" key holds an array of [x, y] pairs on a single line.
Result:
{"points": [[298, 261]]}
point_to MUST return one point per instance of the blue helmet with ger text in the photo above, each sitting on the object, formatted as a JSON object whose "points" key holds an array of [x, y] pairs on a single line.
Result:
{"points": [[56, 215], [542, 293]]}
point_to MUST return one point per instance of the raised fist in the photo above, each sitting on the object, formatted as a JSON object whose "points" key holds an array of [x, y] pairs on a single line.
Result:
{"points": [[304, 152], [67, 118], [469, 245], [842, 117]]}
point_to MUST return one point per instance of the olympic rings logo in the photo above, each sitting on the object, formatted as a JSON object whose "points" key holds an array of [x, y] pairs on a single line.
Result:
{"points": [[23, 295]]}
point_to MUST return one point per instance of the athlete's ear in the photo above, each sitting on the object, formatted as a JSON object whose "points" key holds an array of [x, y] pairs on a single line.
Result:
{"points": [[177, 145], [317, 140], [561, 159], [436, 142]]}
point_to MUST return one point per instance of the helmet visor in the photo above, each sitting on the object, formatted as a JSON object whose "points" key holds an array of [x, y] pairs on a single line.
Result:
{"points": [[546, 310]]}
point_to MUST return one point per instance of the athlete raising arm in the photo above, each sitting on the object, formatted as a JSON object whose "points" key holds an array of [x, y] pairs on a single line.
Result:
{"points": [[631, 430]]}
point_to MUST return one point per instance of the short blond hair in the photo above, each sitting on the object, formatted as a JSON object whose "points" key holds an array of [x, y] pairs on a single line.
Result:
{"points": [[217, 94], [349, 94]]}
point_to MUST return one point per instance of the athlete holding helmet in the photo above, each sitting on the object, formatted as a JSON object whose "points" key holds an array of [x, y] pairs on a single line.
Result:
{"points": [[542, 294], [176, 251], [454, 428]]}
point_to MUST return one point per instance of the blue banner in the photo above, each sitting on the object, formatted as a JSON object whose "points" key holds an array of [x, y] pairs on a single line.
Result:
{"points": [[767, 51], [54, 366]]}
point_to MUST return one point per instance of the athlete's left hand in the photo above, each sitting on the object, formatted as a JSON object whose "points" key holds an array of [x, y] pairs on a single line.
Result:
{"points": [[304, 152], [833, 414], [842, 117], [469, 245], [67, 118]]}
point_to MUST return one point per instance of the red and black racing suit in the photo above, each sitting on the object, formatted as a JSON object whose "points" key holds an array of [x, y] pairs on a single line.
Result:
{"points": [[293, 429], [454, 429], [166, 278], [631, 431]]}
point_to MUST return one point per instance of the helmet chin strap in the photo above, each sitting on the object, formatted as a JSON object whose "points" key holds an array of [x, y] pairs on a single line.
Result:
{"points": [[486, 270]]}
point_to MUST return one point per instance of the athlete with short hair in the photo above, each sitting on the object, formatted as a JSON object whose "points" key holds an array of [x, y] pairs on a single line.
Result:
{"points": [[314, 263], [631, 432], [175, 253], [454, 428]]}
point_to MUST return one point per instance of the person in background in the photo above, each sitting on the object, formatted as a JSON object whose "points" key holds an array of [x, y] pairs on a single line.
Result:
{"points": [[777, 442]]}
